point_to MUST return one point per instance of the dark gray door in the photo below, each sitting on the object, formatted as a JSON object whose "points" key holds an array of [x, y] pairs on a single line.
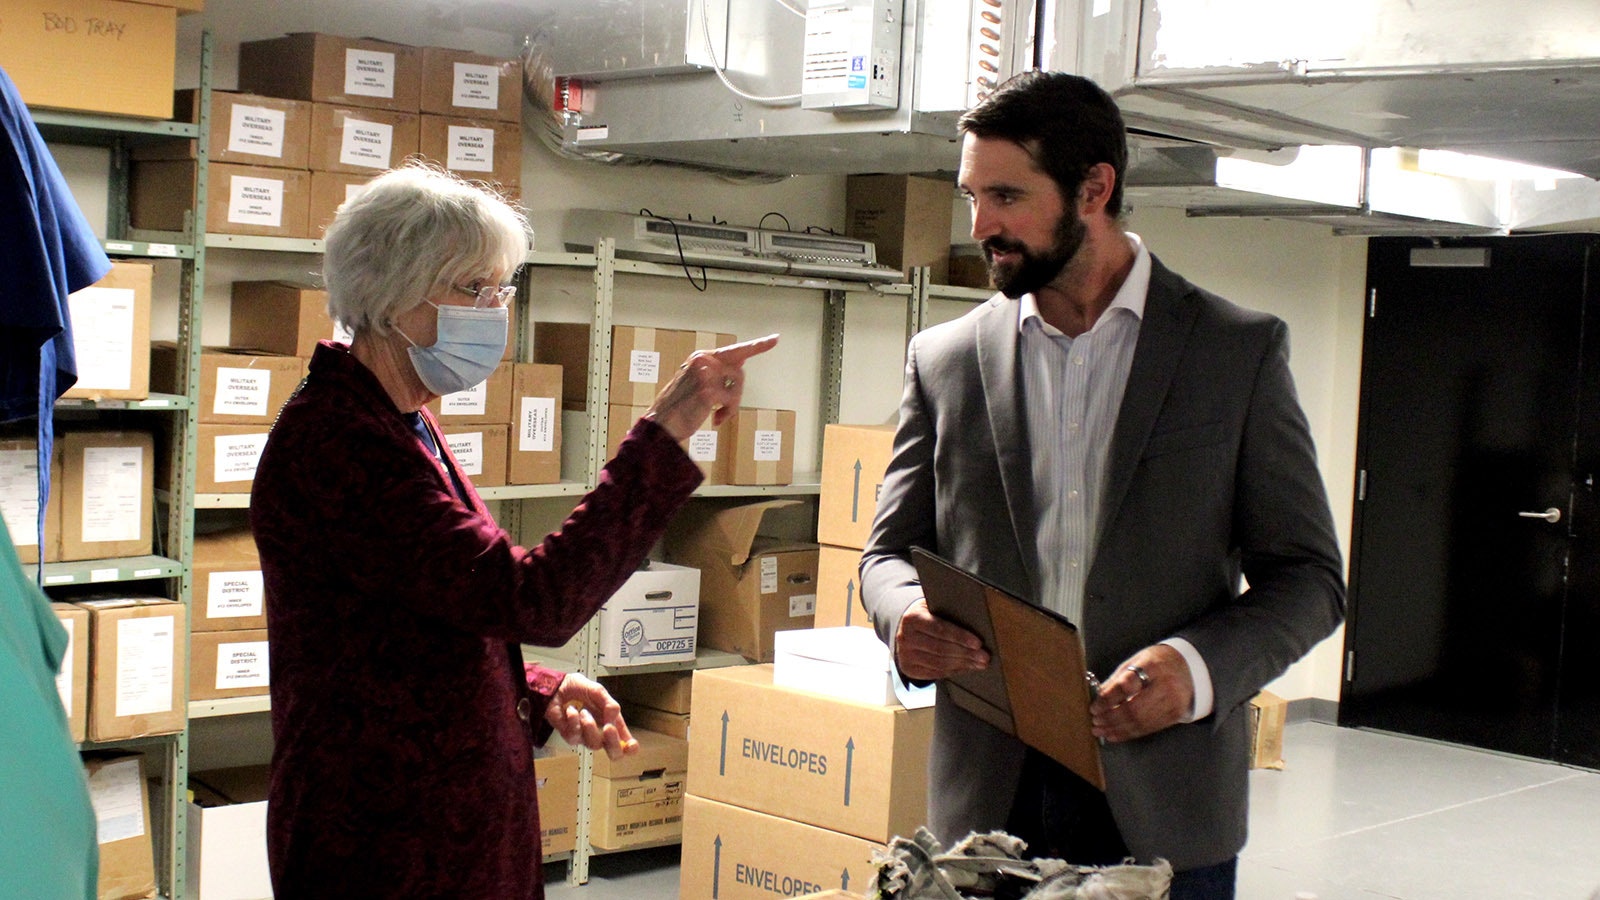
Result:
{"points": [[1474, 563]]}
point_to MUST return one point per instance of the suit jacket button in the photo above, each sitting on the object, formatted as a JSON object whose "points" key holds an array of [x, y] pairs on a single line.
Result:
{"points": [[524, 709]]}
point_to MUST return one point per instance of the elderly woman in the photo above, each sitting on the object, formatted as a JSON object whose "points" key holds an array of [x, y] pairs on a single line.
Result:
{"points": [[403, 715]]}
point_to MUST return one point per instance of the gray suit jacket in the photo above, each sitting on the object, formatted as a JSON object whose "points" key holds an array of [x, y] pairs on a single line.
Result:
{"points": [[1211, 473]]}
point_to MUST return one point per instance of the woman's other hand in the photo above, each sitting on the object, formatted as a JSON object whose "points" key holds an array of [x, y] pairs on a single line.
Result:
{"points": [[586, 715], [709, 383]]}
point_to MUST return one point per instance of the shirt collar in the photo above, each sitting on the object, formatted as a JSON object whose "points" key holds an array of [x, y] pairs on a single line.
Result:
{"points": [[1129, 297]]}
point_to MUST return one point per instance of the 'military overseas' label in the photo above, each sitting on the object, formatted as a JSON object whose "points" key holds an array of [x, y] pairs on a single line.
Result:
{"points": [[476, 86], [256, 129], [369, 73]]}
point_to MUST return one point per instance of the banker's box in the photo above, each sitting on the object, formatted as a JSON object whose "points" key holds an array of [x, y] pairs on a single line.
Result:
{"points": [[107, 493], [101, 56], [480, 450], [123, 829], [19, 499], [854, 458], [360, 141], [237, 387], [460, 83], [850, 767], [1268, 713], [652, 618], [136, 672], [228, 591], [760, 446], [751, 586], [907, 218], [247, 129], [710, 447], [734, 853], [326, 68], [839, 588], [111, 334], [227, 456], [475, 149], [534, 446], [227, 842], [72, 682], [228, 664], [280, 317], [639, 799], [252, 200], [486, 403], [555, 772], [643, 359]]}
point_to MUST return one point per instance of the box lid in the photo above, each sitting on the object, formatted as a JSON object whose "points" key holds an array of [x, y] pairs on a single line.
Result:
{"points": [[730, 533], [657, 753]]}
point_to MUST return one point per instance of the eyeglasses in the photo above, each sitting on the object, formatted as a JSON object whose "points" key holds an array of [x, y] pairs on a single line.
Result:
{"points": [[487, 296]]}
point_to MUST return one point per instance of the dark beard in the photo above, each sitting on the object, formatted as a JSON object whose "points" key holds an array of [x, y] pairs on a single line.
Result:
{"points": [[1036, 269]]}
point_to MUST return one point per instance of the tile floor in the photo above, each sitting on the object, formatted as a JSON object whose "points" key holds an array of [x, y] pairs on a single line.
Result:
{"points": [[1355, 815]]}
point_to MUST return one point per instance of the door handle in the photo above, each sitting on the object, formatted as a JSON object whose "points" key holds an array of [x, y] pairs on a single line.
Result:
{"points": [[1551, 515]]}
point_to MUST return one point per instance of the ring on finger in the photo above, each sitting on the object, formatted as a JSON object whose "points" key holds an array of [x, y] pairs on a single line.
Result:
{"points": [[727, 383], [1142, 675]]}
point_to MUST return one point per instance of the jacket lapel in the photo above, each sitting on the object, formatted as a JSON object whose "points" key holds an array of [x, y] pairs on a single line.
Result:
{"points": [[998, 369]]}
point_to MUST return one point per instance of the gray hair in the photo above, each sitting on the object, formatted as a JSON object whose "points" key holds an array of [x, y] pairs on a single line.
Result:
{"points": [[412, 232]]}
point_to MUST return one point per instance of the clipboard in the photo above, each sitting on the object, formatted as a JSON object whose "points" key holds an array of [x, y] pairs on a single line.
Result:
{"points": [[1036, 687]]}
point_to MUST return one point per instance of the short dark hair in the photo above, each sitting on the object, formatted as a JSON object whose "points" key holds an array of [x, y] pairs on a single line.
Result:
{"points": [[1067, 123]]}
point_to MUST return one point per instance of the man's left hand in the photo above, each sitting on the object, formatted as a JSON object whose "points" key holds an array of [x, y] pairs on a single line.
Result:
{"points": [[586, 715], [1130, 707]]}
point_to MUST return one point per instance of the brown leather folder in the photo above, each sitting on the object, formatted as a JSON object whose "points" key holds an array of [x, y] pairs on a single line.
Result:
{"points": [[1036, 686]]}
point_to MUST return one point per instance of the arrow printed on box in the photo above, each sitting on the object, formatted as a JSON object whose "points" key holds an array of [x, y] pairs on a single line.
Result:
{"points": [[849, 599], [855, 492], [716, 867], [844, 880], [849, 763], [722, 760]]}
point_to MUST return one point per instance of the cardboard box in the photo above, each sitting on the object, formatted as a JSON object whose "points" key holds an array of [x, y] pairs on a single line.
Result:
{"points": [[73, 680], [182, 6], [237, 387], [1268, 713], [111, 334], [477, 149], [652, 617], [534, 445], [121, 800], [226, 457], [639, 799], [838, 765], [480, 450], [107, 493], [488, 403], [228, 594], [329, 191], [839, 588], [325, 68], [251, 200], [136, 671], [228, 664], [854, 458], [907, 218], [247, 129], [19, 499], [710, 447], [102, 56], [761, 447], [360, 141], [642, 359], [459, 83], [751, 586], [227, 843], [658, 720], [555, 770], [280, 317], [670, 691], [740, 854]]}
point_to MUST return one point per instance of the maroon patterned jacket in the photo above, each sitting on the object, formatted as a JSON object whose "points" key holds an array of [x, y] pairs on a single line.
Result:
{"points": [[403, 718]]}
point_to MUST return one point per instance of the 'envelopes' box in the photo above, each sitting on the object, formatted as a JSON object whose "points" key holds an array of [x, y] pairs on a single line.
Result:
{"points": [[854, 458], [839, 588], [237, 387], [136, 673], [652, 618], [107, 493], [461, 83], [228, 591], [481, 452], [761, 447], [555, 771], [228, 664], [280, 317], [533, 449], [326, 68], [639, 799], [832, 763], [751, 586], [111, 334], [733, 853], [19, 499], [121, 800], [72, 682]]}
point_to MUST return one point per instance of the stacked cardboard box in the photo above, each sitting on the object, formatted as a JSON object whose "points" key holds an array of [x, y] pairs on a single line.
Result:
{"points": [[103, 56], [19, 499], [137, 657], [72, 682], [907, 217], [107, 490], [652, 618], [110, 334], [555, 770], [121, 800], [638, 799], [854, 458], [654, 701]]}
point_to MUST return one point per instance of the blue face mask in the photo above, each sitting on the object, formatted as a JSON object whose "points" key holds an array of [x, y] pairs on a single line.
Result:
{"points": [[469, 345]]}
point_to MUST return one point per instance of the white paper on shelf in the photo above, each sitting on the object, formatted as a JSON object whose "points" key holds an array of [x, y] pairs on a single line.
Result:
{"points": [[118, 803], [232, 595], [467, 447], [144, 665], [113, 493], [368, 73], [19, 495], [258, 130], [367, 144], [255, 201], [242, 392], [703, 445], [768, 446], [536, 430], [237, 456], [470, 402], [242, 665], [102, 336], [476, 86]]}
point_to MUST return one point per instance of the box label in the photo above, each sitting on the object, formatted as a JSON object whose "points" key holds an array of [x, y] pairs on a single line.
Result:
{"points": [[242, 665], [256, 129], [703, 445], [769, 574], [369, 73], [242, 392], [102, 336], [467, 448], [19, 495], [255, 201], [64, 677], [470, 402], [118, 803], [235, 595], [768, 446], [470, 149], [644, 366], [113, 493], [237, 456], [536, 430], [366, 144], [476, 86], [801, 605], [144, 665]]}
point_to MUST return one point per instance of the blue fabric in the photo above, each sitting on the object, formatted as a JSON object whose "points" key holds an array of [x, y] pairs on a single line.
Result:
{"points": [[1216, 882]]}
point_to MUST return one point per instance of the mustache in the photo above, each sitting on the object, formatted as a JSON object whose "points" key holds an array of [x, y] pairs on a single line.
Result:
{"points": [[1001, 245]]}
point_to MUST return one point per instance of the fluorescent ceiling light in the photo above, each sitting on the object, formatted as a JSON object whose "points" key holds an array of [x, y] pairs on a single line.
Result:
{"points": [[1484, 168]]}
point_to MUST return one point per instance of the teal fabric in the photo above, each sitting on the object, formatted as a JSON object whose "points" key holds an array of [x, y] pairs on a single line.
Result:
{"points": [[47, 826]]}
